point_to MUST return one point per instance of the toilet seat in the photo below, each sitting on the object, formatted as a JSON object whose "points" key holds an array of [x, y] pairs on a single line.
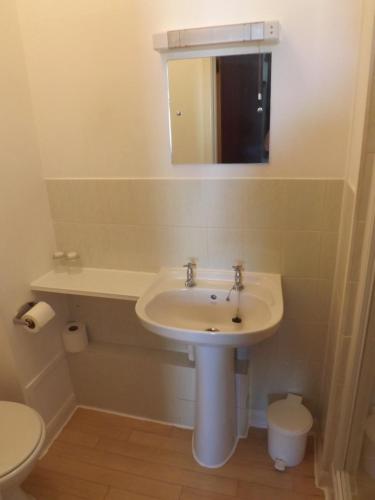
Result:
{"points": [[21, 430]]}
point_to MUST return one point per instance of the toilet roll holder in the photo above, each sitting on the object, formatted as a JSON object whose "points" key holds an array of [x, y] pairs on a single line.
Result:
{"points": [[18, 318]]}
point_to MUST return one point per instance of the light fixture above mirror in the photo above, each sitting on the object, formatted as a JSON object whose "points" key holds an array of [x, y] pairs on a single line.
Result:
{"points": [[264, 31]]}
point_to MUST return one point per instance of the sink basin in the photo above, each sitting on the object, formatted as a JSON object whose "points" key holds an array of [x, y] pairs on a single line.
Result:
{"points": [[202, 315]]}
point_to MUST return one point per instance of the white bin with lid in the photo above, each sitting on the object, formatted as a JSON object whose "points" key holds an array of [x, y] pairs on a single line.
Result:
{"points": [[289, 423]]}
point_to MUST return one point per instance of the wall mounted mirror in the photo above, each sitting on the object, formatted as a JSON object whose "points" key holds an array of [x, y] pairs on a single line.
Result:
{"points": [[220, 109]]}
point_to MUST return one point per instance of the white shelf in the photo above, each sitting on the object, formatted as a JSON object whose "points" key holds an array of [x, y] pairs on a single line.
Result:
{"points": [[91, 282]]}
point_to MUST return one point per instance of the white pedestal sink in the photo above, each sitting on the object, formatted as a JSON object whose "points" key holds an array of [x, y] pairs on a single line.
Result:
{"points": [[202, 316]]}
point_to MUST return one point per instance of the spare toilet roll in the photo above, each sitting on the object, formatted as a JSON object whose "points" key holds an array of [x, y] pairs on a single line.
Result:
{"points": [[75, 337], [38, 316]]}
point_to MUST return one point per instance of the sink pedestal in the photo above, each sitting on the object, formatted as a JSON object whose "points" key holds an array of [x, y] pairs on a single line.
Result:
{"points": [[202, 316], [215, 432]]}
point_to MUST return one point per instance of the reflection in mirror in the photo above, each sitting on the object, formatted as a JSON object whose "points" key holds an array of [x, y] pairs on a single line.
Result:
{"points": [[220, 109]]}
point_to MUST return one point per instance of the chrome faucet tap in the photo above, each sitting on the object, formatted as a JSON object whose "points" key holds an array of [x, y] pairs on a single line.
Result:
{"points": [[238, 285], [190, 281]]}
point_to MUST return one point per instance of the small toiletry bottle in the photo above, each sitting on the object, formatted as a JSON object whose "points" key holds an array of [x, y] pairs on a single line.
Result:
{"points": [[74, 262], [58, 261]]}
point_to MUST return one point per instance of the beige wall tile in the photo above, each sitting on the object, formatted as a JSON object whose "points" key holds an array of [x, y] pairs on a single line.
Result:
{"points": [[100, 245], [89, 311], [332, 203], [328, 253], [253, 203], [296, 365], [301, 252], [104, 202], [123, 245], [69, 236], [140, 337], [224, 203], [224, 247], [159, 246], [149, 202], [293, 339], [262, 250], [264, 204], [340, 325], [169, 202], [307, 381], [185, 203], [316, 341], [133, 247], [304, 202], [99, 251], [115, 322], [301, 341], [118, 193], [190, 243], [342, 355], [59, 201], [150, 223], [83, 201], [263, 370], [160, 379], [337, 300], [349, 307], [300, 298], [322, 302], [344, 236]]}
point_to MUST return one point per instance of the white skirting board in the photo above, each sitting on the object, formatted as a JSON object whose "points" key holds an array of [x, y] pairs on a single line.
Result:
{"points": [[51, 394], [181, 426], [56, 425], [258, 418], [143, 419]]}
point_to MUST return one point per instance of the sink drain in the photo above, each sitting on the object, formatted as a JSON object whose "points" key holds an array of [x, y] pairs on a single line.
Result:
{"points": [[236, 319], [212, 330]]}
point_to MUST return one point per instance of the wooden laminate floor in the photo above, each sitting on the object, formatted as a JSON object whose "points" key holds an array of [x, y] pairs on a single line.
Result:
{"points": [[101, 456], [365, 486]]}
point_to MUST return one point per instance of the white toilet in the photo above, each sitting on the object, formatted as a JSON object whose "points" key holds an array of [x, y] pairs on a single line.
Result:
{"points": [[22, 434]]}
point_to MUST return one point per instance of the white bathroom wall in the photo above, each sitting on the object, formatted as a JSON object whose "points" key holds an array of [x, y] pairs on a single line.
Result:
{"points": [[100, 96], [27, 238]]}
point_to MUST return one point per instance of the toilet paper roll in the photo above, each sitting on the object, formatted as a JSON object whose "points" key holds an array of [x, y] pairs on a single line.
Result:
{"points": [[38, 316], [75, 337]]}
